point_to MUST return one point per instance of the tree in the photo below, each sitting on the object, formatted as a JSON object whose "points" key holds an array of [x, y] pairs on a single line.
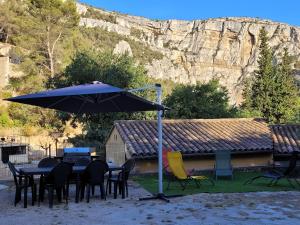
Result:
{"points": [[9, 12], [286, 92], [106, 67], [53, 21], [272, 91], [199, 101], [45, 25]]}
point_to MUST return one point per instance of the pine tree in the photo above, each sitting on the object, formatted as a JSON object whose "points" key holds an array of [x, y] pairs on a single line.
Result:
{"points": [[284, 101], [273, 91], [263, 85]]}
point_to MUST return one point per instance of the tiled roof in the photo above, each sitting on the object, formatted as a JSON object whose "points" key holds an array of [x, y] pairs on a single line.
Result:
{"points": [[286, 138], [196, 136]]}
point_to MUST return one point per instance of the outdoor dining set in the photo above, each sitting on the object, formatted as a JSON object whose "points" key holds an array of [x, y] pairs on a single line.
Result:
{"points": [[77, 168]]}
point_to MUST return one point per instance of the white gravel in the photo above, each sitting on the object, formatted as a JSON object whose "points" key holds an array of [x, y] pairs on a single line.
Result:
{"points": [[240, 208]]}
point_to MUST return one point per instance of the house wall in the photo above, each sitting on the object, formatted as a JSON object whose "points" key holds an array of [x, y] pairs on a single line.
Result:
{"points": [[115, 148], [207, 163]]}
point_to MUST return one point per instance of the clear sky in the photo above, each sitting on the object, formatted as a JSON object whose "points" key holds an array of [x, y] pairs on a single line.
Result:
{"points": [[287, 11]]}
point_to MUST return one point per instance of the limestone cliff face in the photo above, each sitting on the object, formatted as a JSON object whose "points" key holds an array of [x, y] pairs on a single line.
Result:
{"points": [[224, 48]]}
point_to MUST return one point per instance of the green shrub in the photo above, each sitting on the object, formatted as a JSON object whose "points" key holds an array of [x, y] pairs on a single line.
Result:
{"points": [[5, 120], [98, 15]]}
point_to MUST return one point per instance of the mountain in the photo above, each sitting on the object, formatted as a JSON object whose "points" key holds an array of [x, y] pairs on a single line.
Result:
{"points": [[199, 50], [181, 51]]}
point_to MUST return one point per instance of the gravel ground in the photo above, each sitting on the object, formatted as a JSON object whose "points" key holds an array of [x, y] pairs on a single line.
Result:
{"points": [[238, 208]]}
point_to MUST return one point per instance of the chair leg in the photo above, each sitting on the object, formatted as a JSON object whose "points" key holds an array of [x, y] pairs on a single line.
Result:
{"points": [[115, 189], [93, 190], [106, 188], [50, 196], [33, 192], [102, 190], [58, 193], [251, 180], [17, 195], [82, 190], [290, 182], [109, 186], [126, 186], [88, 190], [197, 182]]}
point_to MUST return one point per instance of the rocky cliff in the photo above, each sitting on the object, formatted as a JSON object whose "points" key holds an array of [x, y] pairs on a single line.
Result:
{"points": [[223, 48]]}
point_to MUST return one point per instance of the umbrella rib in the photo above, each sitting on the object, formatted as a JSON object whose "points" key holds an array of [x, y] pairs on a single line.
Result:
{"points": [[116, 105], [57, 102], [108, 99], [80, 108], [85, 98]]}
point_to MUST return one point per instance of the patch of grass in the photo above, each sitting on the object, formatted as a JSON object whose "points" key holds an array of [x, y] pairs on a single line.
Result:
{"points": [[149, 182]]}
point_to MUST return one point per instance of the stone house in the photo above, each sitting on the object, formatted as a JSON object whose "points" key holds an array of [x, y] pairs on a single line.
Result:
{"points": [[251, 141]]}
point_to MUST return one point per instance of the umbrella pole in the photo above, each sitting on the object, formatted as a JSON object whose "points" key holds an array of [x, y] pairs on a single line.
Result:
{"points": [[160, 195]]}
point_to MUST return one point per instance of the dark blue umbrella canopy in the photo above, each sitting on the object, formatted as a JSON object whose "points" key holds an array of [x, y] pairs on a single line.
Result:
{"points": [[88, 98]]}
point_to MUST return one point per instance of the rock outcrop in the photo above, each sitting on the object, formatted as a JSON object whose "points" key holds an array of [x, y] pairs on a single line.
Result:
{"points": [[200, 50], [122, 47]]}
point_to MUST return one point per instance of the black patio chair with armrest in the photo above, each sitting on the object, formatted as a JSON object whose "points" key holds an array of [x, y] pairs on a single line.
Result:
{"points": [[19, 183], [276, 175], [92, 176], [121, 178], [45, 162], [58, 179]]}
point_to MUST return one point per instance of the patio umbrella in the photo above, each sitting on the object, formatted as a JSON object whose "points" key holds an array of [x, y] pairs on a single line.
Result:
{"points": [[88, 98], [100, 98]]}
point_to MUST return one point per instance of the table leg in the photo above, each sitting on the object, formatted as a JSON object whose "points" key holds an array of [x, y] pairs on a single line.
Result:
{"points": [[77, 188], [25, 191]]}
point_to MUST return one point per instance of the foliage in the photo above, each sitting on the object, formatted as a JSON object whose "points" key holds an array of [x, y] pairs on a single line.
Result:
{"points": [[29, 130], [10, 13], [273, 90], [199, 101], [136, 32], [98, 15], [100, 39], [118, 70], [5, 120]]}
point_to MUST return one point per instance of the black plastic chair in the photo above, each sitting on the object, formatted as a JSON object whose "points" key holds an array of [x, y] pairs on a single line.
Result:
{"points": [[92, 176], [58, 179], [121, 178], [18, 179], [276, 175], [45, 162]]}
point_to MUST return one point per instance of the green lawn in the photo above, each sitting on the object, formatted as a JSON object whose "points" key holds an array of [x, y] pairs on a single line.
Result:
{"points": [[149, 182]]}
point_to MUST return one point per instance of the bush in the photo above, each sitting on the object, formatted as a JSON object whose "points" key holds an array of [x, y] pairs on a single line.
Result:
{"points": [[29, 130], [5, 120], [98, 15]]}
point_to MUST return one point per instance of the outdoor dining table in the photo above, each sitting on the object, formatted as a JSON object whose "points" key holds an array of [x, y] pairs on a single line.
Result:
{"points": [[31, 171]]}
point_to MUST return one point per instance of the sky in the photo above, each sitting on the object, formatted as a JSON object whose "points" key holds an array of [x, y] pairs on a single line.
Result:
{"points": [[287, 11]]}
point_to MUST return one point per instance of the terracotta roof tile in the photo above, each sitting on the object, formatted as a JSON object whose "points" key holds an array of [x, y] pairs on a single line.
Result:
{"points": [[286, 138], [196, 136]]}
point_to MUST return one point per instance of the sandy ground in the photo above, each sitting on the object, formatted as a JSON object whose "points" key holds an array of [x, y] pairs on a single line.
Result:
{"points": [[246, 208]]}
